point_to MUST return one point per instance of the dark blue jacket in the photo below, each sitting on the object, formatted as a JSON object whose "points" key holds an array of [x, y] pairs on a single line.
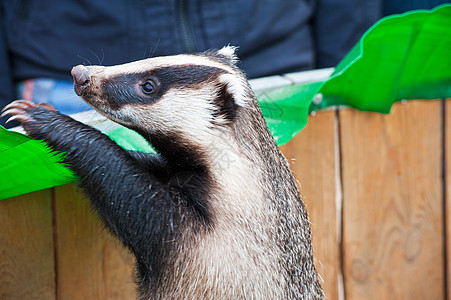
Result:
{"points": [[46, 38]]}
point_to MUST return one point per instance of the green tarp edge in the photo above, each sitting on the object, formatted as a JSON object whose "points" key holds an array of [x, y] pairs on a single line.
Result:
{"points": [[401, 57]]}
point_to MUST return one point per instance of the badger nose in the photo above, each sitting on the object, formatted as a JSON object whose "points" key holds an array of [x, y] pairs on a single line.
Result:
{"points": [[81, 78]]}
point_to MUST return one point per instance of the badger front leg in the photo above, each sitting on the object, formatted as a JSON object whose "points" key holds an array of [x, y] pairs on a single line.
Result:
{"points": [[142, 211]]}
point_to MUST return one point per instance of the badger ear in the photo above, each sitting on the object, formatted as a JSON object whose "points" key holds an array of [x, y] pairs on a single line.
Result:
{"points": [[234, 92], [228, 53], [236, 87]]}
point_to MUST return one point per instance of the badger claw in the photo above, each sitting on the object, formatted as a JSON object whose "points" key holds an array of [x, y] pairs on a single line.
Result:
{"points": [[19, 110], [17, 113], [20, 118], [22, 104]]}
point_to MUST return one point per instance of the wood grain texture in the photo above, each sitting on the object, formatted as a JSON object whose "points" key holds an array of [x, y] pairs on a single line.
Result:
{"points": [[312, 159], [392, 205], [27, 269], [91, 263]]}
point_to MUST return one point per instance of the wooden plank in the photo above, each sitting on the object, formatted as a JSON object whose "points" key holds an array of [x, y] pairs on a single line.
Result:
{"points": [[27, 269], [312, 157], [392, 205], [447, 156], [91, 264]]}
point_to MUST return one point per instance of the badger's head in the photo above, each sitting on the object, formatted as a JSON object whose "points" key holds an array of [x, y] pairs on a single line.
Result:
{"points": [[189, 95]]}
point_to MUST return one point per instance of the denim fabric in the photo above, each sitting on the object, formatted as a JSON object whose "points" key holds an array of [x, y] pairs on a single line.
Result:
{"points": [[46, 38]]}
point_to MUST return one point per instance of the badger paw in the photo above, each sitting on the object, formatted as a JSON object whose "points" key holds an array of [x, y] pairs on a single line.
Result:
{"points": [[33, 117], [21, 110]]}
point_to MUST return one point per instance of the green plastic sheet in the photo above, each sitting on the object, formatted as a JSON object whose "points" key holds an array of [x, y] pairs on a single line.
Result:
{"points": [[401, 57], [28, 165]]}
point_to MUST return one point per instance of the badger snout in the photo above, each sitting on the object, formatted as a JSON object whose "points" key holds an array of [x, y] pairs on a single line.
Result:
{"points": [[81, 78]]}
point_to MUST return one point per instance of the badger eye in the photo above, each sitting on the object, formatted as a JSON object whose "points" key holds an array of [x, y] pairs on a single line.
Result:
{"points": [[148, 87]]}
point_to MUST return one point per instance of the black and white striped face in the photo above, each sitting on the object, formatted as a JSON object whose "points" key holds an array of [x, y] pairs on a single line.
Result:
{"points": [[185, 94]]}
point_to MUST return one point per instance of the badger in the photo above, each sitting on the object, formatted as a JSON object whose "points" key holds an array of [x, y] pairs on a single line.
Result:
{"points": [[215, 213]]}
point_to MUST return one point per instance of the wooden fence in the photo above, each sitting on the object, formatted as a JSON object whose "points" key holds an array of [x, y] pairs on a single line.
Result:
{"points": [[377, 189]]}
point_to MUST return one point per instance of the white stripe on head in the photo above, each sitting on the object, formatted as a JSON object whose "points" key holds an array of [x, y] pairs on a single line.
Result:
{"points": [[159, 62]]}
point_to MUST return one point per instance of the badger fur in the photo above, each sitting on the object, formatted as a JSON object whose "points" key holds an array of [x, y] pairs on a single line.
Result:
{"points": [[216, 214]]}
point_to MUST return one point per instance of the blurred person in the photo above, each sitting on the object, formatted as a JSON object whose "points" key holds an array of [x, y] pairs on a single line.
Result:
{"points": [[41, 40], [390, 7]]}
